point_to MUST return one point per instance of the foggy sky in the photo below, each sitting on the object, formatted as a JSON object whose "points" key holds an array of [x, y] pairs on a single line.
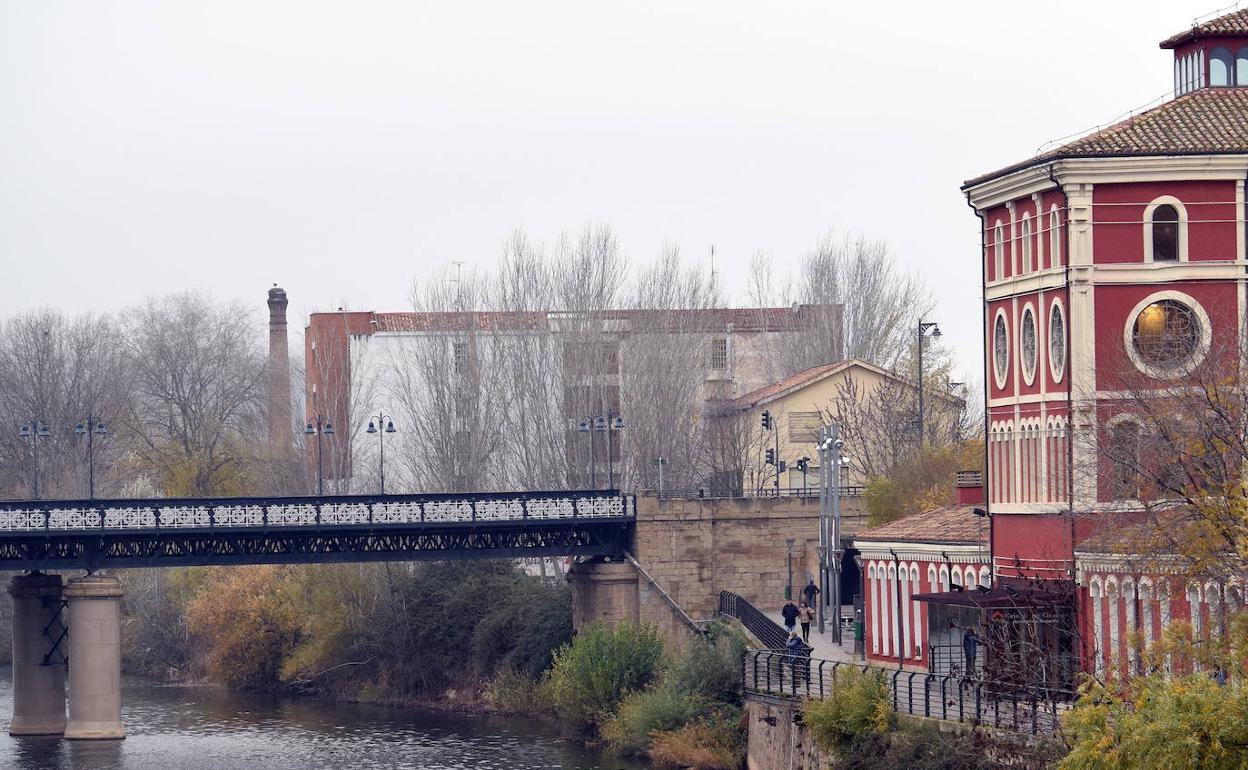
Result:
{"points": [[341, 149]]}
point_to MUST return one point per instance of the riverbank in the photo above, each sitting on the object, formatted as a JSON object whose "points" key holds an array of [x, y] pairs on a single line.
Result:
{"points": [[209, 727]]}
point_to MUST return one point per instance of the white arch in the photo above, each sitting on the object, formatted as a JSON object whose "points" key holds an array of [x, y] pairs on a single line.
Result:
{"points": [[1113, 597], [1055, 237], [984, 577], [944, 577], [998, 245], [1098, 624], [919, 636], [877, 606], [1164, 200], [894, 627]]}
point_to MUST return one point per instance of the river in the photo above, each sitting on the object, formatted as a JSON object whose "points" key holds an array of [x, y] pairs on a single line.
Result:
{"points": [[209, 728]]}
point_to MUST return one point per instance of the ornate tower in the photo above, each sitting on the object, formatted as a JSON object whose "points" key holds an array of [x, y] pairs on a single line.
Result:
{"points": [[280, 425]]}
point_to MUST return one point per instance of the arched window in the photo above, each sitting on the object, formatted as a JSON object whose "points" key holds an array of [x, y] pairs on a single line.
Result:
{"points": [[1027, 344], [998, 247], [1055, 239], [983, 577], [1124, 454], [944, 578], [1165, 227], [957, 577], [1057, 341], [1220, 67], [1026, 244], [1000, 349], [931, 577], [1241, 66]]}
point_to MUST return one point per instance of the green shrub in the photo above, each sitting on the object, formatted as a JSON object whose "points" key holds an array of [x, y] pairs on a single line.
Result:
{"points": [[662, 708], [859, 707], [715, 743], [711, 667], [516, 692], [600, 668]]}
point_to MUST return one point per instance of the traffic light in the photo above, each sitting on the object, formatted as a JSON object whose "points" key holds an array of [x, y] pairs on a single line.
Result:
{"points": [[803, 463], [783, 466], [770, 457], [766, 420]]}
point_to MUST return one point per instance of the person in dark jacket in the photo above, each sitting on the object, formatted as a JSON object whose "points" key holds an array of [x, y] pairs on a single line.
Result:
{"points": [[970, 648], [797, 651], [811, 591], [789, 612]]}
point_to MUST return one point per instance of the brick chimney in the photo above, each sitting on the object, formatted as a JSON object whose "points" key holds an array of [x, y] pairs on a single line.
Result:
{"points": [[280, 426], [970, 488]]}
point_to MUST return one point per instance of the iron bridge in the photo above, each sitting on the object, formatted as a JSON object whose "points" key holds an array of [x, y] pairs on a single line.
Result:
{"points": [[176, 532]]}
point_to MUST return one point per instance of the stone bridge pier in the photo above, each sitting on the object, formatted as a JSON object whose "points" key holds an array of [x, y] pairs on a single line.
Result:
{"points": [[89, 609]]}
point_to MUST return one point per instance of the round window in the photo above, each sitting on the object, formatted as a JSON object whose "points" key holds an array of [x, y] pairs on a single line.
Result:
{"points": [[1057, 342], [1166, 334], [1028, 344], [1000, 350]]}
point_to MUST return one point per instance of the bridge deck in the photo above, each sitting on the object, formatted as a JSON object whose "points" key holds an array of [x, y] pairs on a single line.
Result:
{"points": [[62, 534]]}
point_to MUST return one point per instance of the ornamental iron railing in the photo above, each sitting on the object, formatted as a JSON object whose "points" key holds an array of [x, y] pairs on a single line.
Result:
{"points": [[918, 693], [28, 516]]}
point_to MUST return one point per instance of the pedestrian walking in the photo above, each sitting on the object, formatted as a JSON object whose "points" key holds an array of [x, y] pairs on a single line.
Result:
{"points": [[970, 648], [810, 592], [789, 612], [796, 651], [805, 614]]}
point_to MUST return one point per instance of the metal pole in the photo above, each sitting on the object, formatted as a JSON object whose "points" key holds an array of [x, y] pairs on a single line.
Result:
{"points": [[823, 527], [320, 474], [835, 545], [660, 478], [789, 592], [610, 459], [381, 440], [775, 426], [34, 453], [90, 457], [901, 646], [593, 465], [921, 431]]}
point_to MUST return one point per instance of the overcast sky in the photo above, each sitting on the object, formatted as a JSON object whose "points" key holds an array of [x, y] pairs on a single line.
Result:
{"points": [[340, 149]]}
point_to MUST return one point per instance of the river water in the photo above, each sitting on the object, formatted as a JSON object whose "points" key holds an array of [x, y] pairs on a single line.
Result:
{"points": [[209, 728]]}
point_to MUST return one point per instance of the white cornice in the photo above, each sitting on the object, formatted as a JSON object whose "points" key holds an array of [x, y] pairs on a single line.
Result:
{"points": [[1092, 170]]}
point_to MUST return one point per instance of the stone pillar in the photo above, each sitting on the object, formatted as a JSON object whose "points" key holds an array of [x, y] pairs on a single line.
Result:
{"points": [[38, 689], [94, 657], [603, 591]]}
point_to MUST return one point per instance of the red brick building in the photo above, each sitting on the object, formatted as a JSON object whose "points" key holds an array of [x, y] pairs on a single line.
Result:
{"points": [[1120, 255]]}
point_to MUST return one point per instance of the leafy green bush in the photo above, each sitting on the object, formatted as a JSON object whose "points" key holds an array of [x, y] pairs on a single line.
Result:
{"points": [[1163, 721], [859, 707], [711, 667], [515, 692], [662, 708], [600, 668]]}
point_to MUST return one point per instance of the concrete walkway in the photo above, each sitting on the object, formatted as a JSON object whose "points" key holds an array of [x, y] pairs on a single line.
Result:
{"points": [[823, 646]]}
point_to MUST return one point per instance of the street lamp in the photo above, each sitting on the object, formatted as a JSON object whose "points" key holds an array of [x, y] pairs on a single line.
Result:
{"points": [[660, 462], [584, 427], [320, 427], [924, 329], [831, 460], [374, 426], [92, 428], [788, 591], [34, 431], [608, 424]]}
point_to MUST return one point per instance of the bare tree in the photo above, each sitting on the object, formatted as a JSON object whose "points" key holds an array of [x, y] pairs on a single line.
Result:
{"points": [[196, 374], [58, 371]]}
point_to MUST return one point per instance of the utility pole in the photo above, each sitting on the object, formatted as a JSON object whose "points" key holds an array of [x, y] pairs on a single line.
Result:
{"points": [[923, 329]]}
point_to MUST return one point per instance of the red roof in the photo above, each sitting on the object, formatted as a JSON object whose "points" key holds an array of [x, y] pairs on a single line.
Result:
{"points": [[683, 320], [1234, 24], [1208, 121], [950, 524]]}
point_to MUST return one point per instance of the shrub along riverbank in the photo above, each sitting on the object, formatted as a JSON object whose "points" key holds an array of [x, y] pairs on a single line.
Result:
{"points": [[617, 687]]}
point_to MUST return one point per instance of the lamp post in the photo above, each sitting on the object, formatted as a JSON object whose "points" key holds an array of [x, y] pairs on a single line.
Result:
{"points": [[788, 590], [660, 462], [830, 463], [614, 423], [584, 426], [91, 428], [924, 329], [374, 426], [320, 426], [34, 431]]}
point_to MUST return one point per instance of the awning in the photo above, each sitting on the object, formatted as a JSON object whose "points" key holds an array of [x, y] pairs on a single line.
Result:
{"points": [[1004, 597]]}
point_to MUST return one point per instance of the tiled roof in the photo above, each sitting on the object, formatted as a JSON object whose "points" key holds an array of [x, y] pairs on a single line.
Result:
{"points": [[1209, 121], [1232, 24], [805, 377], [641, 321], [953, 524]]}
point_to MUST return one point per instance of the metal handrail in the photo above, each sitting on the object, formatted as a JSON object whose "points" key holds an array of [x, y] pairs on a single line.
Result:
{"points": [[763, 628], [853, 490], [680, 612], [961, 699]]}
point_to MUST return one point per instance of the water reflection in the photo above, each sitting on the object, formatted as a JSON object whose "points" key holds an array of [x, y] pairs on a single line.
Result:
{"points": [[207, 728]]}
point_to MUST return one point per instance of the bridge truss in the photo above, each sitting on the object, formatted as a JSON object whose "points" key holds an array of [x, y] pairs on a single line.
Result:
{"points": [[68, 534]]}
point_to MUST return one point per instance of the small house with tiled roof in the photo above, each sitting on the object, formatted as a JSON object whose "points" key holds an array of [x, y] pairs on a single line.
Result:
{"points": [[1114, 261], [942, 550], [797, 406]]}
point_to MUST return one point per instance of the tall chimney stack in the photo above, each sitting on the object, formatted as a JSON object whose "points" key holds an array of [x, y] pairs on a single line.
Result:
{"points": [[280, 426]]}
